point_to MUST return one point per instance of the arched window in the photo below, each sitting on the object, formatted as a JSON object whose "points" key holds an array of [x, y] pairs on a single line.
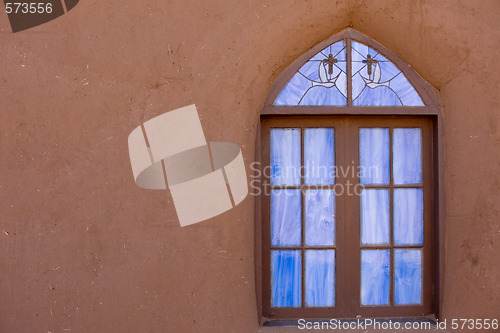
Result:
{"points": [[347, 223]]}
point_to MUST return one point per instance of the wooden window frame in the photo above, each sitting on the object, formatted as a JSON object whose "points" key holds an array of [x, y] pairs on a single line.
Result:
{"points": [[429, 116]]}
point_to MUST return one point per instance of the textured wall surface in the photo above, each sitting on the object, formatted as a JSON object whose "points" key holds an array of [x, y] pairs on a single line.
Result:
{"points": [[83, 249]]}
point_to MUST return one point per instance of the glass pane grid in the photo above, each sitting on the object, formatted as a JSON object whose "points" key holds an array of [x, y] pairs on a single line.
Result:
{"points": [[313, 283], [405, 247], [369, 180], [405, 259]]}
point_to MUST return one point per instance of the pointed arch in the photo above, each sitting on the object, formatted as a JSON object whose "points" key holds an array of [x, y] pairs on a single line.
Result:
{"points": [[331, 86], [349, 71]]}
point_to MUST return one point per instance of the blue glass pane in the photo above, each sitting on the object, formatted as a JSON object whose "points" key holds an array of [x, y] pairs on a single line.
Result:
{"points": [[377, 96], [293, 91], [286, 217], [407, 156], [388, 71], [341, 83], [285, 156], [320, 81], [343, 67], [286, 278], [310, 70], [374, 155], [320, 217], [320, 277], [406, 91], [408, 216], [407, 276], [358, 85], [358, 66], [376, 81], [359, 51], [375, 217], [380, 57], [375, 272], [321, 95], [319, 156], [336, 49], [325, 73]]}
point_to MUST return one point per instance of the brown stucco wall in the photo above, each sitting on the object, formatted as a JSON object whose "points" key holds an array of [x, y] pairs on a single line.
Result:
{"points": [[82, 248]]}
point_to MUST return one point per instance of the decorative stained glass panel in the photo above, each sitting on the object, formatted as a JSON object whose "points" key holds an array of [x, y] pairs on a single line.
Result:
{"points": [[376, 81], [322, 80]]}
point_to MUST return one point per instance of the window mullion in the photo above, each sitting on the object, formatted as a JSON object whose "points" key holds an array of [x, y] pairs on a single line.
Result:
{"points": [[391, 220], [353, 278], [303, 229], [349, 72]]}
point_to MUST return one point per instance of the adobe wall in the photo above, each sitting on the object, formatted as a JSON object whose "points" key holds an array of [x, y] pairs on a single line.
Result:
{"points": [[82, 248]]}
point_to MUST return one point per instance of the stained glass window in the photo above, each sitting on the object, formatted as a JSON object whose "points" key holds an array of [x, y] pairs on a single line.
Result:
{"points": [[375, 80], [348, 205]]}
